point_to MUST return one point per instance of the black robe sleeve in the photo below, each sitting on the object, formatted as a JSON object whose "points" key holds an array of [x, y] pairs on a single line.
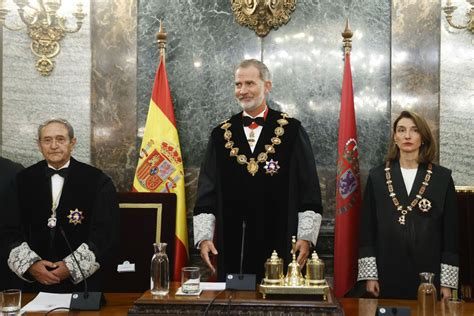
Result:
{"points": [[104, 228], [309, 193], [207, 195]]}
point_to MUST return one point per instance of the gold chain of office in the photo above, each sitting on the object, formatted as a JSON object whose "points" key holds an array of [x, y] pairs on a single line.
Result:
{"points": [[252, 164], [418, 199]]}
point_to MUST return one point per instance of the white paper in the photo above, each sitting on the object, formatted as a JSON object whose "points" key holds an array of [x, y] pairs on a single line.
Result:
{"points": [[44, 302], [212, 286], [179, 291]]}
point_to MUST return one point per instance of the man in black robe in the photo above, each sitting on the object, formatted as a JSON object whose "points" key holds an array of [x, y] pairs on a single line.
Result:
{"points": [[258, 176], [56, 195], [8, 203]]}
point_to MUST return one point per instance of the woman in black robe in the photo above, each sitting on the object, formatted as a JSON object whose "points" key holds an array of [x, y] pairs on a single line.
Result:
{"points": [[409, 217]]}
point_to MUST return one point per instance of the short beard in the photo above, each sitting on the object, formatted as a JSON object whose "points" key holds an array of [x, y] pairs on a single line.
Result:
{"points": [[252, 106]]}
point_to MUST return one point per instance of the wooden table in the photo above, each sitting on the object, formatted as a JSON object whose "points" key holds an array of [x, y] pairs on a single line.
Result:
{"points": [[235, 303], [367, 307], [121, 303]]}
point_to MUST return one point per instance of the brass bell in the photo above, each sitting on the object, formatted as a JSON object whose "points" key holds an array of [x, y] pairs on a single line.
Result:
{"points": [[314, 270], [294, 276], [273, 270]]}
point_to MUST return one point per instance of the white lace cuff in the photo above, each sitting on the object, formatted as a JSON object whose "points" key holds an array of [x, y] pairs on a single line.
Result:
{"points": [[203, 226], [367, 269], [449, 276], [21, 258], [309, 223], [86, 259]]}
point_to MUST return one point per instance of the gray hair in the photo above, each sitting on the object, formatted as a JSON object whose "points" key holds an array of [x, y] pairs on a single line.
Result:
{"points": [[262, 68], [70, 130]]}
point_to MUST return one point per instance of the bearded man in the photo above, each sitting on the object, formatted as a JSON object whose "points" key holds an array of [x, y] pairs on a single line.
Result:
{"points": [[259, 178]]}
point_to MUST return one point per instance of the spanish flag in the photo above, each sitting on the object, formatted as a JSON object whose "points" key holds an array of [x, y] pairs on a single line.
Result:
{"points": [[160, 164]]}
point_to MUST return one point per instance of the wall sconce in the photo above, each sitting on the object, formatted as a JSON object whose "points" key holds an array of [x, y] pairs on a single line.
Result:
{"points": [[44, 26], [449, 10], [262, 15]]}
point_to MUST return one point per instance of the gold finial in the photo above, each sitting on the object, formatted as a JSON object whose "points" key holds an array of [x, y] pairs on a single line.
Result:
{"points": [[347, 35], [161, 39]]}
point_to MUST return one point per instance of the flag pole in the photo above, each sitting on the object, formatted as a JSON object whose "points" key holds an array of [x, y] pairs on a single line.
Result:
{"points": [[161, 39], [348, 196], [347, 35]]}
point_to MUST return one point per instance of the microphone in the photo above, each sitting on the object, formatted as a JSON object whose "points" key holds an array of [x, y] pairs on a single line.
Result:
{"points": [[240, 281], [86, 301]]}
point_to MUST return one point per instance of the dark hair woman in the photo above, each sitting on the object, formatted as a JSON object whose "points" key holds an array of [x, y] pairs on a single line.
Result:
{"points": [[409, 217]]}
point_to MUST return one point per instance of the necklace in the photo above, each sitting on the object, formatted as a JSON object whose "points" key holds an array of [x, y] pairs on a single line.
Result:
{"points": [[252, 165], [423, 204], [52, 220]]}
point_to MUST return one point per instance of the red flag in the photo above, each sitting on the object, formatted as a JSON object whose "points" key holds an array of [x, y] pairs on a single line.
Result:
{"points": [[160, 166], [348, 197]]}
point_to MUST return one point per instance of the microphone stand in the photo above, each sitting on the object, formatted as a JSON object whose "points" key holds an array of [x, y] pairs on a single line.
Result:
{"points": [[86, 301], [240, 281]]}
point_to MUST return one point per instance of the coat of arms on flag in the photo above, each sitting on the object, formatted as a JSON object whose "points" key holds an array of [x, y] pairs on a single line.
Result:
{"points": [[158, 167], [348, 174]]}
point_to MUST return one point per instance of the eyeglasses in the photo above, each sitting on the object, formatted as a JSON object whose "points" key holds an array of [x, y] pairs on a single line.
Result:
{"points": [[60, 140]]}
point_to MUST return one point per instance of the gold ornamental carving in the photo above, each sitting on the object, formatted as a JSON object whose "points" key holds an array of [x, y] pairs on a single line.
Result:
{"points": [[262, 15], [44, 26]]}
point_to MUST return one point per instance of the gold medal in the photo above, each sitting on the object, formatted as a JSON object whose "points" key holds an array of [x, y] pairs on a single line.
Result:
{"points": [[252, 166], [424, 205]]}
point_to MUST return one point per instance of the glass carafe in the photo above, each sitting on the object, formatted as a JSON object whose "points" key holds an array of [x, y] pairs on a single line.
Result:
{"points": [[426, 295], [159, 271]]}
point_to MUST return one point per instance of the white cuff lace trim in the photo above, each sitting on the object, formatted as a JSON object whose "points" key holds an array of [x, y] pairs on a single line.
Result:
{"points": [[21, 258], [309, 223], [203, 226], [449, 276], [367, 269], [86, 259]]}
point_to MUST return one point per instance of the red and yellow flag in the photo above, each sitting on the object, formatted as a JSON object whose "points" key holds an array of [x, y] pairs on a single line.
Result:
{"points": [[160, 164], [348, 197]]}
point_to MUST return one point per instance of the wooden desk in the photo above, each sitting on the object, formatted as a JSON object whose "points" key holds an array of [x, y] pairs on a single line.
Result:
{"points": [[234, 303], [367, 307], [121, 303]]}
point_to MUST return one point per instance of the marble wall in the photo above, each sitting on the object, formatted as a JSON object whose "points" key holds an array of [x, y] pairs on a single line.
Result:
{"points": [[114, 89], [29, 99], [457, 99]]}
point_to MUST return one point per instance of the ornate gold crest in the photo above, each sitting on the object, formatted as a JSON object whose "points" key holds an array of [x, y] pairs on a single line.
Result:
{"points": [[262, 15]]}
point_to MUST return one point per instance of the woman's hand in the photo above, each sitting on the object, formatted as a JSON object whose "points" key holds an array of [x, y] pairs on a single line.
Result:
{"points": [[372, 286], [446, 293]]}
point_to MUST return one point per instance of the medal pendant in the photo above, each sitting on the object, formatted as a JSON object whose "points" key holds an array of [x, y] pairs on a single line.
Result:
{"points": [[401, 220], [271, 167], [252, 166], [52, 222], [424, 205]]}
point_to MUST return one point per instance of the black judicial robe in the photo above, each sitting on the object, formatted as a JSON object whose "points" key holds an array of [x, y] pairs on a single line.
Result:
{"points": [[8, 203], [85, 188], [269, 204], [422, 244]]}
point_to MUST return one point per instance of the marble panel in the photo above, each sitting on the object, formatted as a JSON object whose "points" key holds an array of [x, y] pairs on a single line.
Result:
{"points": [[29, 99], [415, 59], [1, 89], [457, 99], [306, 58], [204, 45], [114, 89]]}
